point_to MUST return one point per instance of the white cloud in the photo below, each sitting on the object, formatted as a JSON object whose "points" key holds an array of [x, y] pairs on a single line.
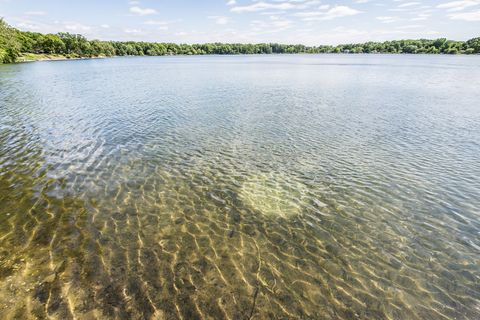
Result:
{"points": [[142, 11], [411, 26], [465, 16], [277, 5], [53, 27], [259, 6], [133, 31], [458, 5], [387, 19], [220, 19], [35, 13], [335, 12], [161, 25], [421, 17], [156, 22], [341, 11], [408, 4], [275, 24], [28, 26], [77, 27], [231, 2]]}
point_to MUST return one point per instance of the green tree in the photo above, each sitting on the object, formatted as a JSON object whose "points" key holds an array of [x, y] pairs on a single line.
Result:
{"points": [[474, 44], [52, 44], [9, 44]]}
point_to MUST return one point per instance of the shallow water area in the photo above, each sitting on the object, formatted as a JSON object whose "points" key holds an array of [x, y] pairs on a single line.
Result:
{"points": [[241, 187]]}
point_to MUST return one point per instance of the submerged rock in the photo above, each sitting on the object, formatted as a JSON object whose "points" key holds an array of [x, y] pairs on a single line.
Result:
{"points": [[50, 278], [272, 195]]}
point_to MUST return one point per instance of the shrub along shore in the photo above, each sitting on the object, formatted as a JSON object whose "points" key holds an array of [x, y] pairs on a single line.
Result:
{"points": [[18, 46]]}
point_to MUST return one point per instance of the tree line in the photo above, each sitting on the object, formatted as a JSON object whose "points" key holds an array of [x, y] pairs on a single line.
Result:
{"points": [[15, 43]]}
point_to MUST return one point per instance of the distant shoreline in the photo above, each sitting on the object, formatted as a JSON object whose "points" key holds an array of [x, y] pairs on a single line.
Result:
{"points": [[32, 57], [23, 46]]}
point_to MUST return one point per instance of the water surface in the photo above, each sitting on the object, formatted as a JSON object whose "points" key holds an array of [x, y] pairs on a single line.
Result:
{"points": [[241, 187]]}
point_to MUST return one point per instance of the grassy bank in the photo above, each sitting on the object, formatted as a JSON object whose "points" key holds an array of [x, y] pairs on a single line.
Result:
{"points": [[26, 57], [29, 57]]}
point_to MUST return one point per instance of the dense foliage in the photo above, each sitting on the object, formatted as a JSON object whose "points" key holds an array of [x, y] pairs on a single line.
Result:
{"points": [[9, 44], [14, 43]]}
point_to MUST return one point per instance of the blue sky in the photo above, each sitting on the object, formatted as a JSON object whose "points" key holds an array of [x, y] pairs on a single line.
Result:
{"points": [[310, 22]]}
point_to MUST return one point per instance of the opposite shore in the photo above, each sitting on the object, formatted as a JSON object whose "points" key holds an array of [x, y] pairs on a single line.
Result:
{"points": [[24, 46], [32, 57]]}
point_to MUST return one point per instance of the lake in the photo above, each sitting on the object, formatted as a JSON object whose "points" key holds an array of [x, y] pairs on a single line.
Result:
{"points": [[241, 187]]}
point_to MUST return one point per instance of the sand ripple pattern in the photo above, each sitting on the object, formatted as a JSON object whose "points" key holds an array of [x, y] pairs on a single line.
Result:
{"points": [[280, 187]]}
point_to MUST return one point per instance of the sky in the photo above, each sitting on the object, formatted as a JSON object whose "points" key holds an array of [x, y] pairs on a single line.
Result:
{"points": [[309, 22]]}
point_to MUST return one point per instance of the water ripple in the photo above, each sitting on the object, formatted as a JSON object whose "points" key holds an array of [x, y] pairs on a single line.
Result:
{"points": [[286, 187]]}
